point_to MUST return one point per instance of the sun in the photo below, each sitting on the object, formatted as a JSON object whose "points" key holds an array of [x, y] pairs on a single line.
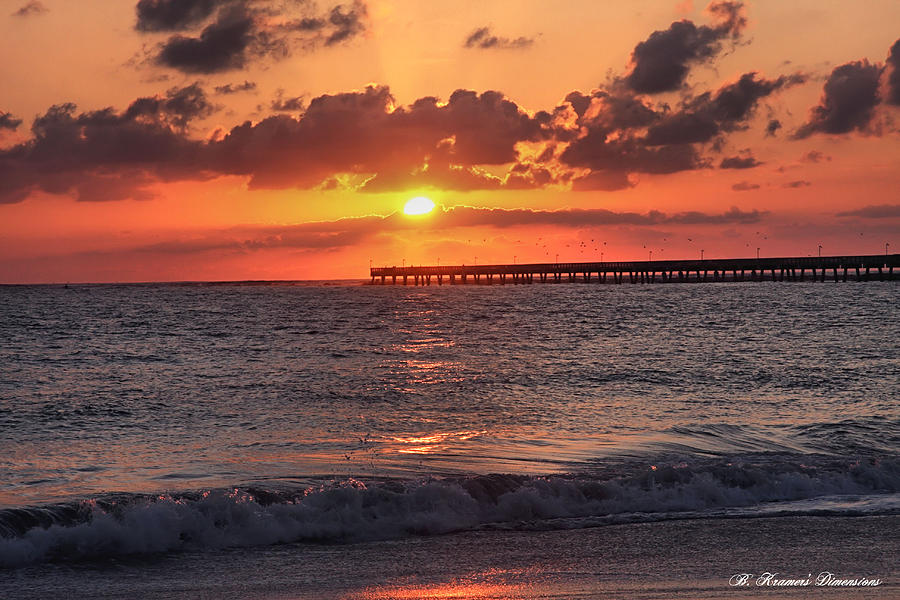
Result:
{"points": [[420, 205]]}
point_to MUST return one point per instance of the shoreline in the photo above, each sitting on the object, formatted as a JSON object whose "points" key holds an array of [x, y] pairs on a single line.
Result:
{"points": [[668, 559]]}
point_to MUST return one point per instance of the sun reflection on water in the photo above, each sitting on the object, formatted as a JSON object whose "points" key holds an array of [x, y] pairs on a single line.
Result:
{"points": [[436, 442], [491, 584]]}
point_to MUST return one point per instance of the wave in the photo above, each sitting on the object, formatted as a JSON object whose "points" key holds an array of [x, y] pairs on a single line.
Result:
{"points": [[353, 510]]}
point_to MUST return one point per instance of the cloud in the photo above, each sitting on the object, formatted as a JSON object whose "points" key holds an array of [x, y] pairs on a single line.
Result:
{"points": [[599, 152], [346, 23], [848, 101], [220, 47], [243, 31], [174, 15], [893, 61], [796, 184], [528, 176], [732, 216], [744, 186], [340, 24], [125, 152], [703, 117], [30, 9], [606, 181], [739, 162], [772, 127], [611, 110], [466, 216], [229, 88], [662, 61], [607, 132], [282, 104], [178, 107], [8, 121], [880, 211], [814, 156], [483, 38], [363, 133], [366, 133]]}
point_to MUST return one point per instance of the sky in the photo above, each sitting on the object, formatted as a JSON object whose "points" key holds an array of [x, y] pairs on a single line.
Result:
{"points": [[189, 140]]}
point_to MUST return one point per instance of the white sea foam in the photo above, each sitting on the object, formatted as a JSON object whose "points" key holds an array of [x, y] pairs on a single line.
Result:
{"points": [[352, 511]]}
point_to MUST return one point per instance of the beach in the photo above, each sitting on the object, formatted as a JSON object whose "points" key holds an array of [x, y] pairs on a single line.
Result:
{"points": [[673, 559]]}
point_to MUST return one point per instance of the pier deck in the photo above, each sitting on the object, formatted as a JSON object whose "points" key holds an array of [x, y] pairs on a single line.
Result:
{"points": [[875, 267]]}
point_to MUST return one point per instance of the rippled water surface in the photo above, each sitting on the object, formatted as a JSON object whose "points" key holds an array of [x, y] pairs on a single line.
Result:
{"points": [[190, 389]]}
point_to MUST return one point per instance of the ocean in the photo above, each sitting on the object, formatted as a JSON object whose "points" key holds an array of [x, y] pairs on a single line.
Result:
{"points": [[341, 440]]}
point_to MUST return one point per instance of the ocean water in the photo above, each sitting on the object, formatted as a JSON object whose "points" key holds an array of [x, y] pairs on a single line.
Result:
{"points": [[191, 420]]}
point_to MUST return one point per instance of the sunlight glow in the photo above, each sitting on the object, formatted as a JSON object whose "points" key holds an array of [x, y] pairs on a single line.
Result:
{"points": [[420, 205]]}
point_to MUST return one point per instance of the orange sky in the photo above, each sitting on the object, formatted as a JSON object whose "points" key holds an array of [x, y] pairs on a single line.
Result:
{"points": [[540, 129]]}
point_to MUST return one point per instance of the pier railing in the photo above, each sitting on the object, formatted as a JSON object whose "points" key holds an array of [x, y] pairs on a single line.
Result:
{"points": [[878, 267]]}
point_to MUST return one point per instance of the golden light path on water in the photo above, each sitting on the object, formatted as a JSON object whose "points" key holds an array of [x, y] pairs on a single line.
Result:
{"points": [[493, 583]]}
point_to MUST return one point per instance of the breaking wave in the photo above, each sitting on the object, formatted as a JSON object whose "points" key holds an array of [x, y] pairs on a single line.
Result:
{"points": [[353, 510]]}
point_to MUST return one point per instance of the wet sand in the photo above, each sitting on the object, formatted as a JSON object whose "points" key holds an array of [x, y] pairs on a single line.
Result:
{"points": [[674, 559]]}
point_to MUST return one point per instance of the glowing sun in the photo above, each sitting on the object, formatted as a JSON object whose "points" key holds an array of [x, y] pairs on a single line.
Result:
{"points": [[420, 205]]}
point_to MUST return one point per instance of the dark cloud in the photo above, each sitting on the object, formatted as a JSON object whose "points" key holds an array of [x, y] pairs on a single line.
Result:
{"points": [[703, 117], [814, 156], [466, 216], [848, 100], [362, 132], [234, 88], [340, 24], [174, 15], [796, 184], [893, 61], [745, 186], [881, 211], [612, 110], [307, 24], [178, 107], [8, 121], [483, 38], [772, 128], [610, 139], [221, 46], [739, 162], [347, 22], [733, 215], [282, 104], [243, 30], [662, 61], [599, 152], [30, 9], [531, 176], [605, 181], [106, 155]]}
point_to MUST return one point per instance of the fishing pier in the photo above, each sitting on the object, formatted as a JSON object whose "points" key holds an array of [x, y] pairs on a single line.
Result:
{"points": [[876, 267]]}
